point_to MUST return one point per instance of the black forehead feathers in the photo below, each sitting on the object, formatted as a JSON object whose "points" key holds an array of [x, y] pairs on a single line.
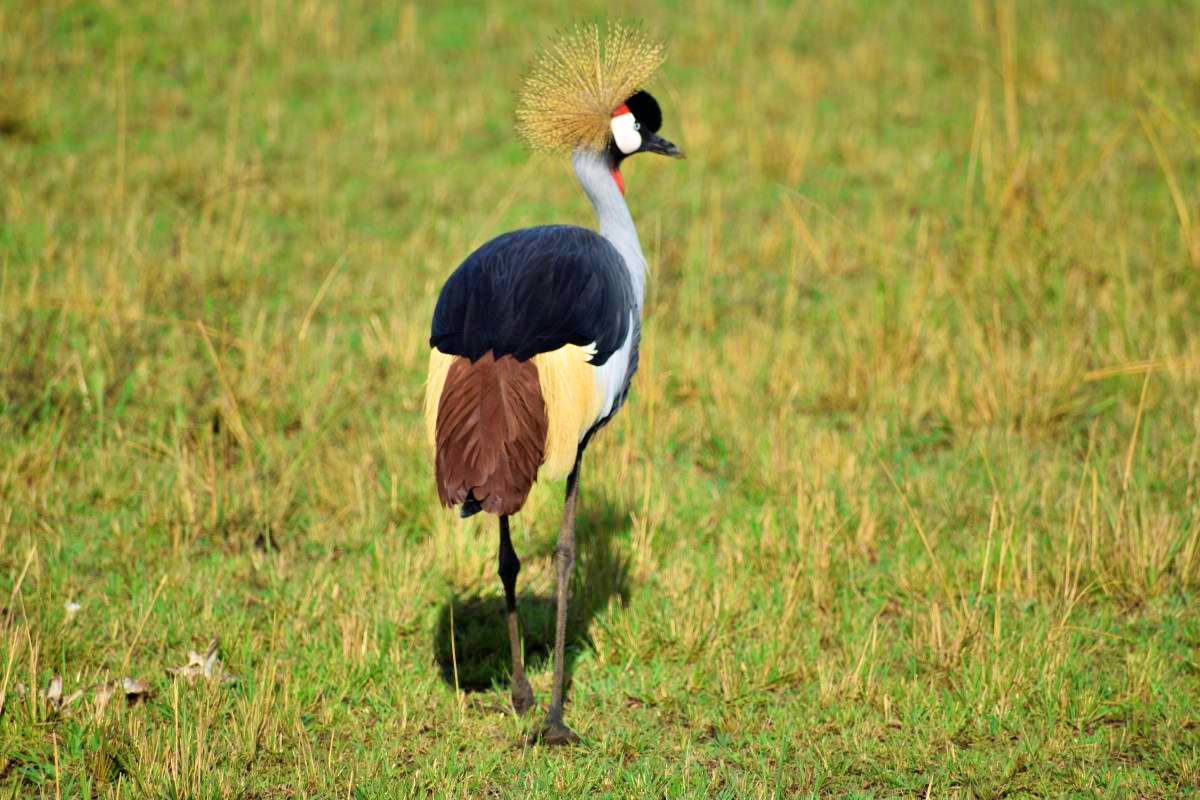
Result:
{"points": [[645, 110]]}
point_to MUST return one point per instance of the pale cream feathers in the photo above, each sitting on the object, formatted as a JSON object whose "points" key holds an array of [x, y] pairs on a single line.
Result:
{"points": [[569, 96], [573, 400]]}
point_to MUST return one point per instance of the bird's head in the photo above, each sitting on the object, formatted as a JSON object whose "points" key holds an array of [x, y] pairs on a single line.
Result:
{"points": [[584, 95], [635, 125]]}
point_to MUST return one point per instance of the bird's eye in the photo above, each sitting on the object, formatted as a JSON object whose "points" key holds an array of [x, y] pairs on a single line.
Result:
{"points": [[637, 126]]}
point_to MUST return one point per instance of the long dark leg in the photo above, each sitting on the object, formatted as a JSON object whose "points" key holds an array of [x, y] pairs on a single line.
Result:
{"points": [[510, 567], [554, 730]]}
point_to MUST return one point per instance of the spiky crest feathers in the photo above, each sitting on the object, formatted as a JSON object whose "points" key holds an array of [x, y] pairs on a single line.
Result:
{"points": [[568, 97]]}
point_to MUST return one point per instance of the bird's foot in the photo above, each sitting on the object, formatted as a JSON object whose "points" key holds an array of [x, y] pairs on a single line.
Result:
{"points": [[553, 732], [522, 695]]}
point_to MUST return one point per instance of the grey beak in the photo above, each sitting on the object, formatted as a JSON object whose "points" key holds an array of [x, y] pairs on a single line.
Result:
{"points": [[653, 143]]}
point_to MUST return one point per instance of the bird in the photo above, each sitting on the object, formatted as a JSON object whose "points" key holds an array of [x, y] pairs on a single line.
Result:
{"points": [[534, 337]]}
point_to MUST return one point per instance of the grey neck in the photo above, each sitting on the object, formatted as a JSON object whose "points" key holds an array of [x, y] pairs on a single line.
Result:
{"points": [[616, 223]]}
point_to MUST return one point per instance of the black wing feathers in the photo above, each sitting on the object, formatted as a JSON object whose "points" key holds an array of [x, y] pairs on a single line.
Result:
{"points": [[532, 291]]}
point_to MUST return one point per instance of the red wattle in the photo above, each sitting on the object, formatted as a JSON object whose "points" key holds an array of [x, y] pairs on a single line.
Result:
{"points": [[616, 173]]}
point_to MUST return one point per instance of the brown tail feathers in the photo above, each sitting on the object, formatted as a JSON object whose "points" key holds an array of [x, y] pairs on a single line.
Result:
{"points": [[491, 434]]}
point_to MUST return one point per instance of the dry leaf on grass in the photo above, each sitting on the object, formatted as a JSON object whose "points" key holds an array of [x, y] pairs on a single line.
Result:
{"points": [[208, 666], [52, 694], [134, 689]]}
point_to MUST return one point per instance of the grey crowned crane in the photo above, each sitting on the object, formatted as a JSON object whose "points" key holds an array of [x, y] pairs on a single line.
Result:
{"points": [[535, 335]]}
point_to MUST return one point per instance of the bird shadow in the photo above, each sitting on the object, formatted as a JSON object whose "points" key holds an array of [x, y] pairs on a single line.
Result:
{"points": [[470, 638]]}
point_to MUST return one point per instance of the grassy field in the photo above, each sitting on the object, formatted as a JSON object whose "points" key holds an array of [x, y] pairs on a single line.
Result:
{"points": [[904, 502]]}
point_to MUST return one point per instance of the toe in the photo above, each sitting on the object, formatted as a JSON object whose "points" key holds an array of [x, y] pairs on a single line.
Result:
{"points": [[554, 733]]}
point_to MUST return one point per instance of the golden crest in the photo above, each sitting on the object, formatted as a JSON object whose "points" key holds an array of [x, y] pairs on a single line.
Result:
{"points": [[568, 98]]}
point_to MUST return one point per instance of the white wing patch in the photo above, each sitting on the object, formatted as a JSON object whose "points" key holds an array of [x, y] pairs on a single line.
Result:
{"points": [[610, 376]]}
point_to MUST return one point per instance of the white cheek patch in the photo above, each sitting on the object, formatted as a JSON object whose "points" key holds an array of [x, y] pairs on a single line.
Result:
{"points": [[625, 134]]}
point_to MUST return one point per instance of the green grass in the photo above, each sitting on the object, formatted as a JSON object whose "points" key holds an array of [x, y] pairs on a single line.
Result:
{"points": [[904, 501]]}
